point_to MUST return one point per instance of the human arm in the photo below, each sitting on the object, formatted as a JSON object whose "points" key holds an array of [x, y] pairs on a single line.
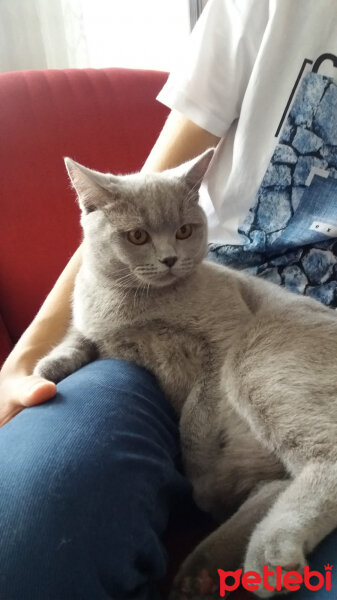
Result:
{"points": [[179, 141], [18, 387]]}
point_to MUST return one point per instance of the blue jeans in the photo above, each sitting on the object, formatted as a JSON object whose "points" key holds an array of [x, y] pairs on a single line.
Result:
{"points": [[86, 484]]}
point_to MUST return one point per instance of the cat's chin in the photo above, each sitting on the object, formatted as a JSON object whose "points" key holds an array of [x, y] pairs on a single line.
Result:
{"points": [[163, 280]]}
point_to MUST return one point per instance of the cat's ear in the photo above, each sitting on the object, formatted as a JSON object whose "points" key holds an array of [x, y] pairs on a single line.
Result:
{"points": [[94, 189], [196, 169]]}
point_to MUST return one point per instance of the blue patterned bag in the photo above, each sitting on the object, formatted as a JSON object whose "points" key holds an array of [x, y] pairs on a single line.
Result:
{"points": [[290, 234]]}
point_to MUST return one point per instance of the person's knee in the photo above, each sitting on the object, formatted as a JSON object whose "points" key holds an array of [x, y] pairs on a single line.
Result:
{"points": [[108, 419], [123, 401]]}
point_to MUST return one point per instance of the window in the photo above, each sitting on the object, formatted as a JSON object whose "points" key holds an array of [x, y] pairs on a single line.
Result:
{"points": [[126, 33], [146, 34]]}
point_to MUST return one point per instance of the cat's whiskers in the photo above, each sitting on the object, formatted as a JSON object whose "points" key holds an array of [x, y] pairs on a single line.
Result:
{"points": [[144, 269], [147, 290], [187, 263], [135, 297], [144, 292], [154, 274], [121, 281], [121, 302], [121, 271], [139, 288], [147, 272]]}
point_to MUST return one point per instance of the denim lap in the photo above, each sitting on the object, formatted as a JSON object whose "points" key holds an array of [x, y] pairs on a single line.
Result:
{"points": [[86, 482]]}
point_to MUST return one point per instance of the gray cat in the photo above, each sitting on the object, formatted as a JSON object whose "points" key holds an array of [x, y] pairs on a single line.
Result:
{"points": [[249, 367]]}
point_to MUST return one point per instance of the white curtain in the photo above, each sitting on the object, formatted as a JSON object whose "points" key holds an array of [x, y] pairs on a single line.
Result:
{"points": [[32, 35], [40, 34]]}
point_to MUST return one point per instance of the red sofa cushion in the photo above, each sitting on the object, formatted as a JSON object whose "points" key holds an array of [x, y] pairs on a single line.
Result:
{"points": [[106, 119]]}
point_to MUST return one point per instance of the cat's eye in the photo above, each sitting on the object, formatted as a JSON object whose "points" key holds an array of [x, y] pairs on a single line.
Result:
{"points": [[184, 232], [138, 236]]}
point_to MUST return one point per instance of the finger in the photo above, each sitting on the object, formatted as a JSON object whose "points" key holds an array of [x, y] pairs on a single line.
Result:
{"points": [[36, 391], [21, 392]]}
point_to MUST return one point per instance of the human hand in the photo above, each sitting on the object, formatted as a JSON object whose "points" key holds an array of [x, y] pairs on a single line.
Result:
{"points": [[19, 390]]}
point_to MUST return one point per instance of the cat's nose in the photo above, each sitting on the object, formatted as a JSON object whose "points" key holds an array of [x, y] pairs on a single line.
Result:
{"points": [[169, 261]]}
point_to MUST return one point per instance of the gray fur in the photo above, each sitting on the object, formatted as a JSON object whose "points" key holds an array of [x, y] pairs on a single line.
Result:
{"points": [[249, 367]]}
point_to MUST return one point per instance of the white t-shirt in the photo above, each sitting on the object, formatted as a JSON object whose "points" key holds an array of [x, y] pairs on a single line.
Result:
{"points": [[242, 72]]}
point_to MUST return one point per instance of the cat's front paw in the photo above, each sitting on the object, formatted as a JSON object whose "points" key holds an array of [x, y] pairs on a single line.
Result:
{"points": [[270, 549], [53, 369]]}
